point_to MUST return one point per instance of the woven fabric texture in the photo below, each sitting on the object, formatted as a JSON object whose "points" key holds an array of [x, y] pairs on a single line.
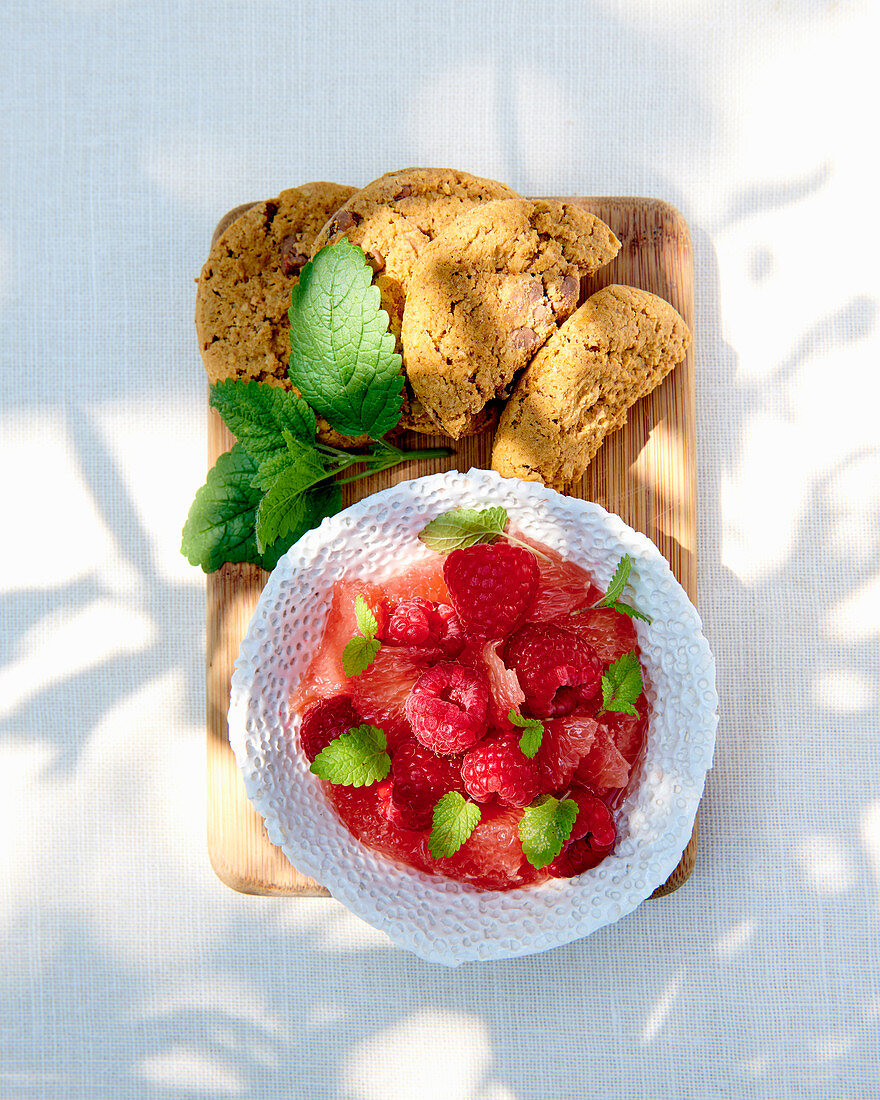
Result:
{"points": [[128, 969]]}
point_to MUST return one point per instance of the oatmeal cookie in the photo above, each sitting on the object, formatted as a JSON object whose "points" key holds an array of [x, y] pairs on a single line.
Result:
{"points": [[244, 288], [616, 348], [487, 293], [395, 216], [392, 219], [413, 418]]}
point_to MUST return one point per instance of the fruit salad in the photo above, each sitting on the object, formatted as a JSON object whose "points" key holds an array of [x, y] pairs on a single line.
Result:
{"points": [[478, 715]]}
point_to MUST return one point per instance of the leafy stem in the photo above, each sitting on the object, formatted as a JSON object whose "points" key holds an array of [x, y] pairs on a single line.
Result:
{"points": [[279, 480], [615, 589], [383, 456]]}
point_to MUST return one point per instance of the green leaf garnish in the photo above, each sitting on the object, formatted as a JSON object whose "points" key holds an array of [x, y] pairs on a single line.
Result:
{"points": [[354, 759], [366, 620], [462, 527], [625, 609], [359, 654], [220, 524], [544, 828], [284, 508], [342, 356], [361, 650], [269, 469], [278, 481], [533, 732], [257, 414], [454, 820], [618, 582], [622, 684], [616, 588]]}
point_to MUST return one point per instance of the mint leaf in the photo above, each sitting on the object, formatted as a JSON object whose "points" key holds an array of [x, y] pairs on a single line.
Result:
{"points": [[533, 732], [354, 759], [284, 507], [359, 654], [324, 499], [463, 527], [342, 356], [292, 453], [257, 413], [454, 820], [366, 620], [269, 469], [625, 609], [622, 684], [272, 554], [616, 588], [618, 582], [361, 650], [220, 524], [544, 828]]}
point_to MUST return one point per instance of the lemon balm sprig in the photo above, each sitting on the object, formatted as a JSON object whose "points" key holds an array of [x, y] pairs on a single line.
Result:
{"points": [[279, 480], [615, 590]]}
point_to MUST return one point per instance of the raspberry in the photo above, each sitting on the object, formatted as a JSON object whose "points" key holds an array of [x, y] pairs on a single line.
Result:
{"points": [[492, 587], [326, 720], [592, 836], [408, 623], [387, 808], [594, 820], [575, 858], [498, 766], [557, 670], [565, 742], [419, 778], [450, 634], [447, 707], [430, 631]]}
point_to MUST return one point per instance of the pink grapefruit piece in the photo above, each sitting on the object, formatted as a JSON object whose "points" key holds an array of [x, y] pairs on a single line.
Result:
{"points": [[505, 692], [604, 765], [324, 675], [606, 630], [628, 730], [492, 857], [562, 586], [566, 741]]}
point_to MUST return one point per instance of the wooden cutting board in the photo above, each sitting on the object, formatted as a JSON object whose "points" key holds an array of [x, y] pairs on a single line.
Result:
{"points": [[645, 473]]}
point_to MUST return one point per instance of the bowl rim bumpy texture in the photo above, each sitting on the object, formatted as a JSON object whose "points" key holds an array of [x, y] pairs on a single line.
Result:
{"points": [[439, 919]]}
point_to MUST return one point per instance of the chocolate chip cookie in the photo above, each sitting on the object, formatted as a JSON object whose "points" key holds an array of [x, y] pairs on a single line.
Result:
{"points": [[395, 216], [392, 219], [244, 288], [487, 293], [613, 350]]}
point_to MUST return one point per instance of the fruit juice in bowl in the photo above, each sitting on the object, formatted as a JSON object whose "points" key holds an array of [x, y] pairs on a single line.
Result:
{"points": [[490, 735]]}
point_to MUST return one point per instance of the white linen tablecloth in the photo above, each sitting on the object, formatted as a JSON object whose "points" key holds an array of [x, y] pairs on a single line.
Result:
{"points": [[128, 129]]}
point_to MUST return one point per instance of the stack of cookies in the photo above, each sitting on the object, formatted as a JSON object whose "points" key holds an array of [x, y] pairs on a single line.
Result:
{"points": [[483, 293]]}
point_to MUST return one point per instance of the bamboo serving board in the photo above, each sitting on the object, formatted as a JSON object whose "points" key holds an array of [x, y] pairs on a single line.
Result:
{"points": [[645, 473]]}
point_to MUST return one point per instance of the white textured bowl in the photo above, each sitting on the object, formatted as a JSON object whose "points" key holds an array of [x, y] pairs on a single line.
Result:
{"points": [[439, 919]]}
